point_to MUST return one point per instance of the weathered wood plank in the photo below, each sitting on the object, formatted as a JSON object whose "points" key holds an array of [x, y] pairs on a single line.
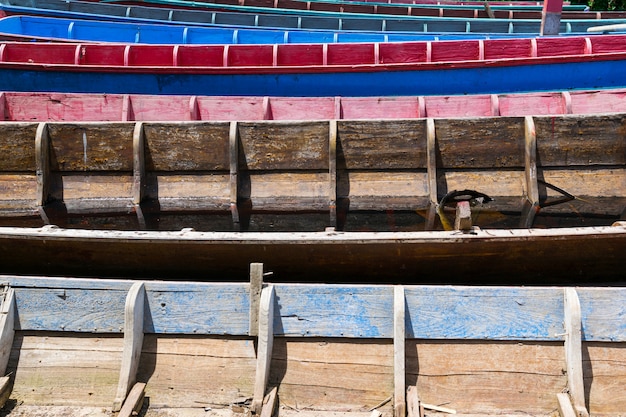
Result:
{"points": [[603, 314], [480, 143], [333, 374], [139, 164], [484, 313], [133, 341], [197, 371], [80, 147], [399, 354], [589, 140], [337, 311], [376, 144], [198, 146], [17, 146], [565, 405], [530, 169], [604, 369], [256, 285], [479, 378], [65, 370], [134, 401]]}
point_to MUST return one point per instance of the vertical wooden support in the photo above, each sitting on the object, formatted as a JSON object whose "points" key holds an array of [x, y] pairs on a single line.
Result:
{"points": [[551, 17], [431, 167], [269, 404], [565, 405], [42, 162], [256, 285], [3, 107], [139, 165], [7, 328], [399, 356], [531, 204], [267, 109], [134, 401], [234, 171], [338, 108], [413, 403], [127, 109], [573, 352], [332, 172], [194, 109], [264, 349], [133, 341]]}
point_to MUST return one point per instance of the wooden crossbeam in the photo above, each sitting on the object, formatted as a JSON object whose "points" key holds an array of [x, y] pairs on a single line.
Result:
{"points": [[264, 349], [133, 342], [573, 352]]}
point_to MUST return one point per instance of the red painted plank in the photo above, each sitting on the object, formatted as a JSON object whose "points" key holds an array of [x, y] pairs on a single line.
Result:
{"points": [[507, 48], [250, 55], [455, 51], [350, 54], [150, 55], [39, 53], [560, 46], [201, 56], [401, 53], [608, 43], [292, 54], [112, 55]]}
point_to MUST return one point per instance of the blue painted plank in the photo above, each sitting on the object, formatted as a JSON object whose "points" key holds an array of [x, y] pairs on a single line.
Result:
{"points": [[603, 314], [591, 74], [487, 313], [334, 311]]}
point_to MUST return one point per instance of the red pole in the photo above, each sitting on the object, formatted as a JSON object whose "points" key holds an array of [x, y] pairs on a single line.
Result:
{"points": [[551, 17]]}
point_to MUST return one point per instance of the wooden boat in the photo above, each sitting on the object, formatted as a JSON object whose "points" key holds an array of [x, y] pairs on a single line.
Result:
{"points": [[416, 68], [393, 178], [298, 20], [62, 30], [348, 7], [88, 347]]}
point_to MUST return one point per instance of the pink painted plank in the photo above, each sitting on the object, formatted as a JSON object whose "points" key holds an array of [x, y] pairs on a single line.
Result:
{"points": [[607, 43], [532, 104], [231, 108], [380, 108], [458, 106], [305, 108], [611, 101], [58, 107]]}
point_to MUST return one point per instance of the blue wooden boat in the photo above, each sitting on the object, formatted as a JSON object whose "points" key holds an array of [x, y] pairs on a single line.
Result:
{"points": [[230, 348], [117, 12], [366, 69], [57, 29]]}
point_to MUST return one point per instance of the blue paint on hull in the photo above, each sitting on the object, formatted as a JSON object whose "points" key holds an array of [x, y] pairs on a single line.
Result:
{"points": [[451, 81]]}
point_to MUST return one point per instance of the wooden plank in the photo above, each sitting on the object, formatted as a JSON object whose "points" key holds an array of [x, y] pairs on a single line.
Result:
{"points": [[5, 390], [481, 142], [7, 327], [265, 346], [480, 379], [134, 401], [489, 313], [551, 17], [604, 368], [565, 405], [329, 374], [65, 369], [603, 315], [591, 140], [573, 351], [399, 356], [133, 341], [256, 285], [414, 407], [269, 403], [196, 371], [337, 311]]}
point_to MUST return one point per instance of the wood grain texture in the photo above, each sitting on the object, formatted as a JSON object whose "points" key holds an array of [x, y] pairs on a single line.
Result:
{"points": [[484, 313], [480, 377], [197, 371], [17, 146], [332, 374], [573, 351], [581, 140], [91, 147], [7, 328], [603, 314], [57, 369], [604, 369], [264, 347], [338, 311]]}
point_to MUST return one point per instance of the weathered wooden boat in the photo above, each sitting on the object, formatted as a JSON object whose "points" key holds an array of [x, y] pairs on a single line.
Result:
{"points": [[59, 30], [312, 20], [415, 68], [77, 347], [347, 7], [383, 186], [59, 107]]}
